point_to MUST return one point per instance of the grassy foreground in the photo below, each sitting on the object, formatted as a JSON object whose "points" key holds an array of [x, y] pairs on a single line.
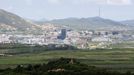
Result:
{"points": [[112, 59], [61, 66]]}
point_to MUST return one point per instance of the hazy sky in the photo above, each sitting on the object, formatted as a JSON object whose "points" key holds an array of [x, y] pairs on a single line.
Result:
{"points": [[56, 9]]}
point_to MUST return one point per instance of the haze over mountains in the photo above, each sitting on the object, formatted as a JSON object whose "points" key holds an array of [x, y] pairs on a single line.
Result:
{"points": [[11, 21], [90, 23], [128, 22]]}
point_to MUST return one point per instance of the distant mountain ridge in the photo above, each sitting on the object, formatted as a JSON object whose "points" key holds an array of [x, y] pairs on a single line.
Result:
{"points": [[10, 21], [89, 23], [128, 22]]}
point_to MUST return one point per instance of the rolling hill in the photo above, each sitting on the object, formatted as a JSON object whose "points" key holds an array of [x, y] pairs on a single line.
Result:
{"points": [[10, 21], [128, 22], [92, 23]]}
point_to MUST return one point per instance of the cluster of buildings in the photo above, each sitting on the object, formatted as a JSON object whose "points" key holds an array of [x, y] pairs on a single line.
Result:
{"points": [[79, 39]]}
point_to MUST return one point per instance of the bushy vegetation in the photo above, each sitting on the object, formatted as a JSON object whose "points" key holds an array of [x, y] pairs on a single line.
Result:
{"points": [[62, 66]]}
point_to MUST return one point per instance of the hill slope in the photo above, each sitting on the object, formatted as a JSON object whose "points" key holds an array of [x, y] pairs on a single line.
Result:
{"points": [[13, 21], [128, 22], [89, 23]]}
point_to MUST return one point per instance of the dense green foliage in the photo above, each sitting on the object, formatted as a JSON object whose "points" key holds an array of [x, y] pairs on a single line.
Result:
{"points": [[63, 66]]}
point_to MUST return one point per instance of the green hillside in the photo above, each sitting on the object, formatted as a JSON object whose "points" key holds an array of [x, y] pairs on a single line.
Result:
{"points": [[92, 23], [14, 21]]}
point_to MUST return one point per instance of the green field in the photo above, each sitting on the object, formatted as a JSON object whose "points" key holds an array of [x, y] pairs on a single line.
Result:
{"points": [[125, 44], [112, 59]]}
